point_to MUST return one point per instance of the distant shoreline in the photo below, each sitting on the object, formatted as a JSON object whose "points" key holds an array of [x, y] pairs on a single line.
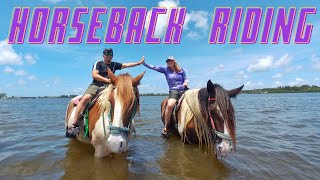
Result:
{"points": [[66, 96], [278, 90], [285, 89]]}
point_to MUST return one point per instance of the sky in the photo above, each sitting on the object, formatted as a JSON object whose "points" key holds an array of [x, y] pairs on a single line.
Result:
{"points": [[64, 69]]}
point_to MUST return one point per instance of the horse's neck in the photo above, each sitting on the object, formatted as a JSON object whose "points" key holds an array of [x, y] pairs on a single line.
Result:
{"points": [[191, 97]]}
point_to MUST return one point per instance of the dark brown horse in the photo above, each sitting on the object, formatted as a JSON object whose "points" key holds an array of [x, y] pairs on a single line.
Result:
{"points": [[206, 116], [111, 118]]}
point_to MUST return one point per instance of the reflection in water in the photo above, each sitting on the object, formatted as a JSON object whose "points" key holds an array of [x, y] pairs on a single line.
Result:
{"points": [[187, 160], [278, 137], [79, 163]]}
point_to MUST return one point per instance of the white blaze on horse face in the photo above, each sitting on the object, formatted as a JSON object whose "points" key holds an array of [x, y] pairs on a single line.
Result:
{"points": [[117, 114], [224, 148], [117, 143]]}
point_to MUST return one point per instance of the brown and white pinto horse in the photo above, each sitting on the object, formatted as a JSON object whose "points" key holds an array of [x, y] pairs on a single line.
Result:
{"points": [[206, 116], [111, 118]]}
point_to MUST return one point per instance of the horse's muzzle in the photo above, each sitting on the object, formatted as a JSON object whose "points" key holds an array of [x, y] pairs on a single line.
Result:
{"points": [[117, 143], [224, 148]]}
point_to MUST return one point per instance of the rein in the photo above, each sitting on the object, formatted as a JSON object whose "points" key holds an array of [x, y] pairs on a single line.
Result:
{"points": [[219, 134]]}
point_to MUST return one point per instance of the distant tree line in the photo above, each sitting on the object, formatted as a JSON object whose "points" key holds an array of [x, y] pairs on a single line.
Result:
{"points": [[2, 95], [285, 89], [154, 94]]}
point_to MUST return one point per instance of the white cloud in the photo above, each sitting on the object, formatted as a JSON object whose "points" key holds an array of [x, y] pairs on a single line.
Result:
{"points": [[32, 77], [297, 82], [78, 91], [291, 69], [277, 84], [8, 54], [168, 3], [241, 75], [262, 64], [56, 81], [216, 69], [315, 62], [277, 76], [8, 70], [269, 62], [237, 50], [298, 68], [283, 61], [52, 1], [31, 59], [20, 73], [8, 85], [22, 82], [194, 35], [162, 18], [316, 79], [253, 85], [45, 83], [197, 19]]}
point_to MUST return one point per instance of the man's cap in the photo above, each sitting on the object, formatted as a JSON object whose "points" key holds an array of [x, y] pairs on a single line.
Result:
{"points": [[108, 51]]}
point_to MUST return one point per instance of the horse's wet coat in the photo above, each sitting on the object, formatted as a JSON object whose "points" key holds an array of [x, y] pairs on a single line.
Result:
{"points": [[194, 125], [112, 109]]}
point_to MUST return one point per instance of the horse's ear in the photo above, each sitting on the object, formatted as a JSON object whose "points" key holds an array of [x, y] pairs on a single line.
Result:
{"points": [[112, 77], [210, 87], [136, 80], [234, 92]]}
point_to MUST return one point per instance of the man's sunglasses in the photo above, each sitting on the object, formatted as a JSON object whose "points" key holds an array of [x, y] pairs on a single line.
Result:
{"points": [[108, 54]]}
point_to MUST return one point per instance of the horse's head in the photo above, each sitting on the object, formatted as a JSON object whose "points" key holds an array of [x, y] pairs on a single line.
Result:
{"points": [[124, 101], [221, 116]]}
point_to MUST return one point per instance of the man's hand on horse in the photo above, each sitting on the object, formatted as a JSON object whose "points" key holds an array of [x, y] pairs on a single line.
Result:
{"points": [[108, 81]]}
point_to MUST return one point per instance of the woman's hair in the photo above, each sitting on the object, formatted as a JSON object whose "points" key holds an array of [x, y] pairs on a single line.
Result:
{"points": [[176, 67]]}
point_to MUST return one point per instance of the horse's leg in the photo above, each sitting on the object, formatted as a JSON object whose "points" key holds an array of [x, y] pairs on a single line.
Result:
{"points": [[97, 131], [98, 141], [191, 133]]}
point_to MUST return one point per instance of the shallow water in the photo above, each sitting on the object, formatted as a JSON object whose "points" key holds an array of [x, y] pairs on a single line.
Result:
{"points": [[277, 137]]}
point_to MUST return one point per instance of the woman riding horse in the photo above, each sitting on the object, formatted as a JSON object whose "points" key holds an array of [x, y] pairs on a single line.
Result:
{"points": [[110, 120], [177, 82]]}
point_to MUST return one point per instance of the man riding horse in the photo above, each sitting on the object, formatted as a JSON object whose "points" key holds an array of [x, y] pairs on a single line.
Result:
{"points": [[100, 78]]}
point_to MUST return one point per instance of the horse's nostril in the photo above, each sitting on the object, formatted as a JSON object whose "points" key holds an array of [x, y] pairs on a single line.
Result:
{"points": [[121, 144], [220, 148]]}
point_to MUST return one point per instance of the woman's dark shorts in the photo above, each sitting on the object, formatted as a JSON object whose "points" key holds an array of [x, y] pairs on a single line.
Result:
{"points": [[175, 94]]}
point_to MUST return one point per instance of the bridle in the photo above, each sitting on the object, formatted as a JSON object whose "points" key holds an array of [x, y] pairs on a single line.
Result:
{"points": [[222, 135], [116, 129]]}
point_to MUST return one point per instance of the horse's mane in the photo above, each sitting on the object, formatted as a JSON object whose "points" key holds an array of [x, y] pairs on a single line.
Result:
{"points": [[104, 96], [124, 91], [224, 102]]}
